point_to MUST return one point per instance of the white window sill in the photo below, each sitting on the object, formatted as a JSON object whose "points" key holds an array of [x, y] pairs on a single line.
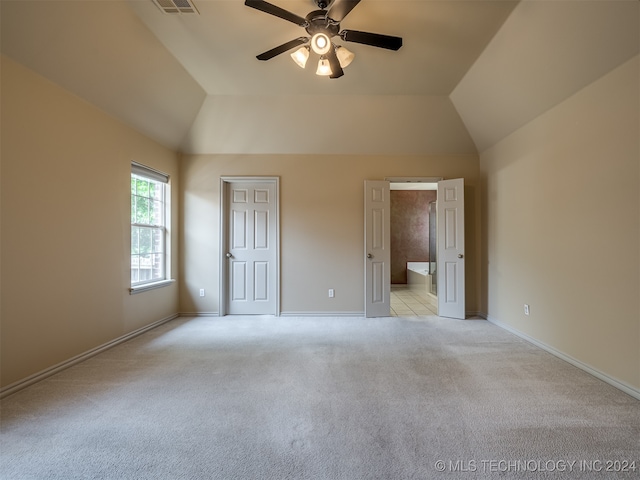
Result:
{"points": [[150, 286]]}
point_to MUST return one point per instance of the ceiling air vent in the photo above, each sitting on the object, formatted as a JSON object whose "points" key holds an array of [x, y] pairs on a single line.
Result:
{"points": [[176, 6]]}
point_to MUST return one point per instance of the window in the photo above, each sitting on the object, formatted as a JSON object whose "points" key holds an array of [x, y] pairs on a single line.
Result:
{"points": [[148, 226]]}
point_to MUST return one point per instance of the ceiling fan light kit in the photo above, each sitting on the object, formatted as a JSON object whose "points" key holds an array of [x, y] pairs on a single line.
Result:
{"points": [[322, 26]]}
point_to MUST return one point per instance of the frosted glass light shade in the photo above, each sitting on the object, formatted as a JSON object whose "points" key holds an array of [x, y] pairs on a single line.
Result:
{"points": [[324, 68], [301, 56], [320, 43], [345, 57]]}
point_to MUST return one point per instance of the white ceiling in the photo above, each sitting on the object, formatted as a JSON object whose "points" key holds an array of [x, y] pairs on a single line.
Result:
{"points": [[193, 83], [562, 46], [102, 52], [219, 46]]}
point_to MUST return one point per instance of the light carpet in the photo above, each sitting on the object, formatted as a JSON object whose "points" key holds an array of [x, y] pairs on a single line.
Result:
{"points": [[321, 398]]}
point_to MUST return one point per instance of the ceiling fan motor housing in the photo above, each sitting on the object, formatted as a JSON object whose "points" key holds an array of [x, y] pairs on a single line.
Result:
{"points": [[318, 23]]}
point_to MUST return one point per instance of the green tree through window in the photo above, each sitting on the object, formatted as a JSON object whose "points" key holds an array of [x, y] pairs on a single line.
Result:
{"points": [[148, 230]]}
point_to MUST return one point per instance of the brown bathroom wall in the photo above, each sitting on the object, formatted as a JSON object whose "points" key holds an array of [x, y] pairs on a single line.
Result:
{"points": [[409, 230]]}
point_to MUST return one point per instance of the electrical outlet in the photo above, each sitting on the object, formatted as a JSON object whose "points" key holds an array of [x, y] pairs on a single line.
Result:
{"points": [[526, 309], [332, 293], [202, 292]]}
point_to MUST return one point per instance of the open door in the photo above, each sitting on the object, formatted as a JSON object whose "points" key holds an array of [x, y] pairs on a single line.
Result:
{"points": [[377, 296], [450, 261]]}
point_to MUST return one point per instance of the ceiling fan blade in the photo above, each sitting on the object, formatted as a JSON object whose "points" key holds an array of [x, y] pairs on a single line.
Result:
{"points": [[282, 48], [373, 39], [277, 11], [334, 63], [341, 9]]}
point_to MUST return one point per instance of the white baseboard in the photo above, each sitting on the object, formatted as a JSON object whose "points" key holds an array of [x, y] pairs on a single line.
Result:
{"points": [[322, 314], [628, 389], [282, 314], [36, 377]]}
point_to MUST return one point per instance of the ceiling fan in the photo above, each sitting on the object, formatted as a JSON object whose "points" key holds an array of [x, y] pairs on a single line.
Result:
{"points": [[322, 26]]}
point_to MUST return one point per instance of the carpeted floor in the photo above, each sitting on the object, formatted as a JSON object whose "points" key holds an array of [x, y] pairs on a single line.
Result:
{"points": [[321, 398]]}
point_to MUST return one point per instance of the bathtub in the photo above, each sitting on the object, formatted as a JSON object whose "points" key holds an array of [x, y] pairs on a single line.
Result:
{"points": [[419, 278], [422, 268]]}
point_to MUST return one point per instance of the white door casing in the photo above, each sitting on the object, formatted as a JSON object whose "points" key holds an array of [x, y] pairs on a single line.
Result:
{"points": [[250, 247], [377, 301], [451, 249]]}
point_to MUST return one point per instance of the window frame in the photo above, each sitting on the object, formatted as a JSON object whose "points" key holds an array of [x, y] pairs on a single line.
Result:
{"points": [[159, 179]]}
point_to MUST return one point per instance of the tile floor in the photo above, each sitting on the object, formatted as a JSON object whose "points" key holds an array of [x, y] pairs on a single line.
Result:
{"points": [[405, 303]]}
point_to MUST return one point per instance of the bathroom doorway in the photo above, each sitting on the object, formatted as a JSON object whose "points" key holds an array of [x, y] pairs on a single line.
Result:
{"points": [[413, 245]]}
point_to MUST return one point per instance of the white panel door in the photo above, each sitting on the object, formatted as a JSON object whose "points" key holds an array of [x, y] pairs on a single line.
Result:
{"points": [[251, 248], [377, 276], [450, 251]]}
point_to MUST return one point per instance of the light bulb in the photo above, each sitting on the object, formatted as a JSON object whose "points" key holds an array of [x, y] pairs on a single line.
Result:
{"points": [[320, 43]]}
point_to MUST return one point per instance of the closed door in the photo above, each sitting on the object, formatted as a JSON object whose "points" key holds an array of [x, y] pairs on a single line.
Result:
{"points": [[251, 247], [377, 301]]}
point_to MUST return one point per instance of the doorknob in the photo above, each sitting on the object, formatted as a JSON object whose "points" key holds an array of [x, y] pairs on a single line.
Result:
{"points": [[460, 255], [369, 255], [229, 255]]}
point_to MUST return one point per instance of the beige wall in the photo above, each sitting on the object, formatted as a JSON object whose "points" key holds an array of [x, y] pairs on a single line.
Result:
{"points": [[65, 226], [322, 224], [561, 218]]}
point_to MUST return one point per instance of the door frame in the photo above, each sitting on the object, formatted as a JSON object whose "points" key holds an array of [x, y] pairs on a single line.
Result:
{"points": [[225, 182], [426, 180], [417, 181], [370, 309]]}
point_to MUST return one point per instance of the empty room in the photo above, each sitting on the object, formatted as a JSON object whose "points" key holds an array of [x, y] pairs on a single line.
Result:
{"points": [[199, 213]]}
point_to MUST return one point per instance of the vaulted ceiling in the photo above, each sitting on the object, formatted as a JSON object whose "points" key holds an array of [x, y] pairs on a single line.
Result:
{"points": [[468, 73]]}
